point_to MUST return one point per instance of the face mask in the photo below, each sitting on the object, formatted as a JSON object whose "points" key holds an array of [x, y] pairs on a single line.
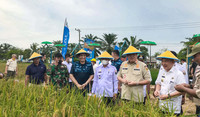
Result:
{"points": [[105, 62], [60, 62]]}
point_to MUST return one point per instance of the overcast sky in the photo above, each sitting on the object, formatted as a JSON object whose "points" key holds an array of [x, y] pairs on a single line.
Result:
{"points": [[167, 22]]}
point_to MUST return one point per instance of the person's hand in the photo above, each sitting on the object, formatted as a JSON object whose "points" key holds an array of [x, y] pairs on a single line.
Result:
{"points": [[6, 72], [16, 73], [132, 83], [114, 96], [79, 86], [156, 93], [180, 88], [163, 97], [84, 85]]}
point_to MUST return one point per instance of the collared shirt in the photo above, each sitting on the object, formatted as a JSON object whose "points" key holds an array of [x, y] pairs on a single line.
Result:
{"points": [[82, 72], [117, 63], [36, 73], [12, 64], [135, 72], [179, 67], [168, 80], [58, 75], [69, 66], [105, 81], [197, 85]]}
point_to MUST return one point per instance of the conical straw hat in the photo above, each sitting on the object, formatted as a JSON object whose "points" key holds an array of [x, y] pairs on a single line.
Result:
{"points": [[105, 55], [35, 55], [132, 50], [82, 52], [167, 55]]}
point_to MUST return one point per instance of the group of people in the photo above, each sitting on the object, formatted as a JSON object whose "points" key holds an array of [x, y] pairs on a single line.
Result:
{"points": [[128, 75]]}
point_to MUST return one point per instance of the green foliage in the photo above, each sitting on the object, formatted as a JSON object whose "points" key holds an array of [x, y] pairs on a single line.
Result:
{"points": [[108, 42], [16, 100], [154, 75]]}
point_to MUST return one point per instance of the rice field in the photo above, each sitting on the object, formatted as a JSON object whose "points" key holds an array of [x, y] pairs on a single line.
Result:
{"points": [[16, 100]]}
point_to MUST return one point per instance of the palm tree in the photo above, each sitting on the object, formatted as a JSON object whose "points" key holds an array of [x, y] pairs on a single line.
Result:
{"points": [[108, 42], [34, 47], [133, 41], [136, 43]]}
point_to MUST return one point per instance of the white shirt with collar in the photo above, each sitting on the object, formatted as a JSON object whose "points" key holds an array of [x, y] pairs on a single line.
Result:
{"points": [[168, 80], [69, 66]]}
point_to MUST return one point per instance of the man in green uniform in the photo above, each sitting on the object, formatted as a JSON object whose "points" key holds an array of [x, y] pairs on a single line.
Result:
{"points": [[58, 72]]}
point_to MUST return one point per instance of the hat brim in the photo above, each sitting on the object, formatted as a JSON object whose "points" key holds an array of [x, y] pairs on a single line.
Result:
{"points": [[132, 53], [160, 58], [192, 54], [87, 54], [105, 58], [35, 57]]}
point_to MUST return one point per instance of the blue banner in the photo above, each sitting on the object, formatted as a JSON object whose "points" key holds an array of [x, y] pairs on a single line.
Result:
{"points": [[89, 49], [65, 38]]}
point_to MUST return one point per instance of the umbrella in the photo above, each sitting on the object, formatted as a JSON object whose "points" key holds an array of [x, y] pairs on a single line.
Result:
{"points": [[150, 43], [196, 35], [46, 42], [94, 44], [59, 45]]}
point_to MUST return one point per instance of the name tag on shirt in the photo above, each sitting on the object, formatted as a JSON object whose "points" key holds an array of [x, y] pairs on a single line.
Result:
{"points": [[125, 68], [163, 76], [136, 69]]}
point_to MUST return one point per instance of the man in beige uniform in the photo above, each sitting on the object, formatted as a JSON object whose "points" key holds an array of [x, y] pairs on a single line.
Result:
{"points": [[11, 67], [134, 75], [195, 92]]}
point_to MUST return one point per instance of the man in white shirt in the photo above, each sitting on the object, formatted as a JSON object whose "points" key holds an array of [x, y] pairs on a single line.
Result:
{"points": [[68, 63], [184, 65], [169, 98], [11, 67]]}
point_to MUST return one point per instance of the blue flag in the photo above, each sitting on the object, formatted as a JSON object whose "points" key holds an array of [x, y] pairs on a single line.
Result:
{"points": [[65, 38]]}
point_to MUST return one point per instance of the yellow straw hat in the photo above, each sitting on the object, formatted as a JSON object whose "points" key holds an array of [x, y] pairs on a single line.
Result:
{"points": [[131, 50], [82, 52], [105, 55], [93, 60], [35, 55], [167, 55]]}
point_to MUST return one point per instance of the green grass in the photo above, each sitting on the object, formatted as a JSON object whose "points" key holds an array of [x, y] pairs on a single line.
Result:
{"points": [[154, 74], [16, 100]]}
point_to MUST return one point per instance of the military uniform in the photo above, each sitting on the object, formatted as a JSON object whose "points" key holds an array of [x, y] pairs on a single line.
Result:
{"points": [[58, 75], [135, 72], [197, 88], [117, 63]]}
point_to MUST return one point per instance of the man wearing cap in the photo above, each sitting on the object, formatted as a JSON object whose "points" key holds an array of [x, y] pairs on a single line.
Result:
{"points": [[168, 97], [105, 79], [195, 92], [58, 72], [93, 61], [36, 72], [82, 71], [134, 75], [11, 67], [68, 63]]}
